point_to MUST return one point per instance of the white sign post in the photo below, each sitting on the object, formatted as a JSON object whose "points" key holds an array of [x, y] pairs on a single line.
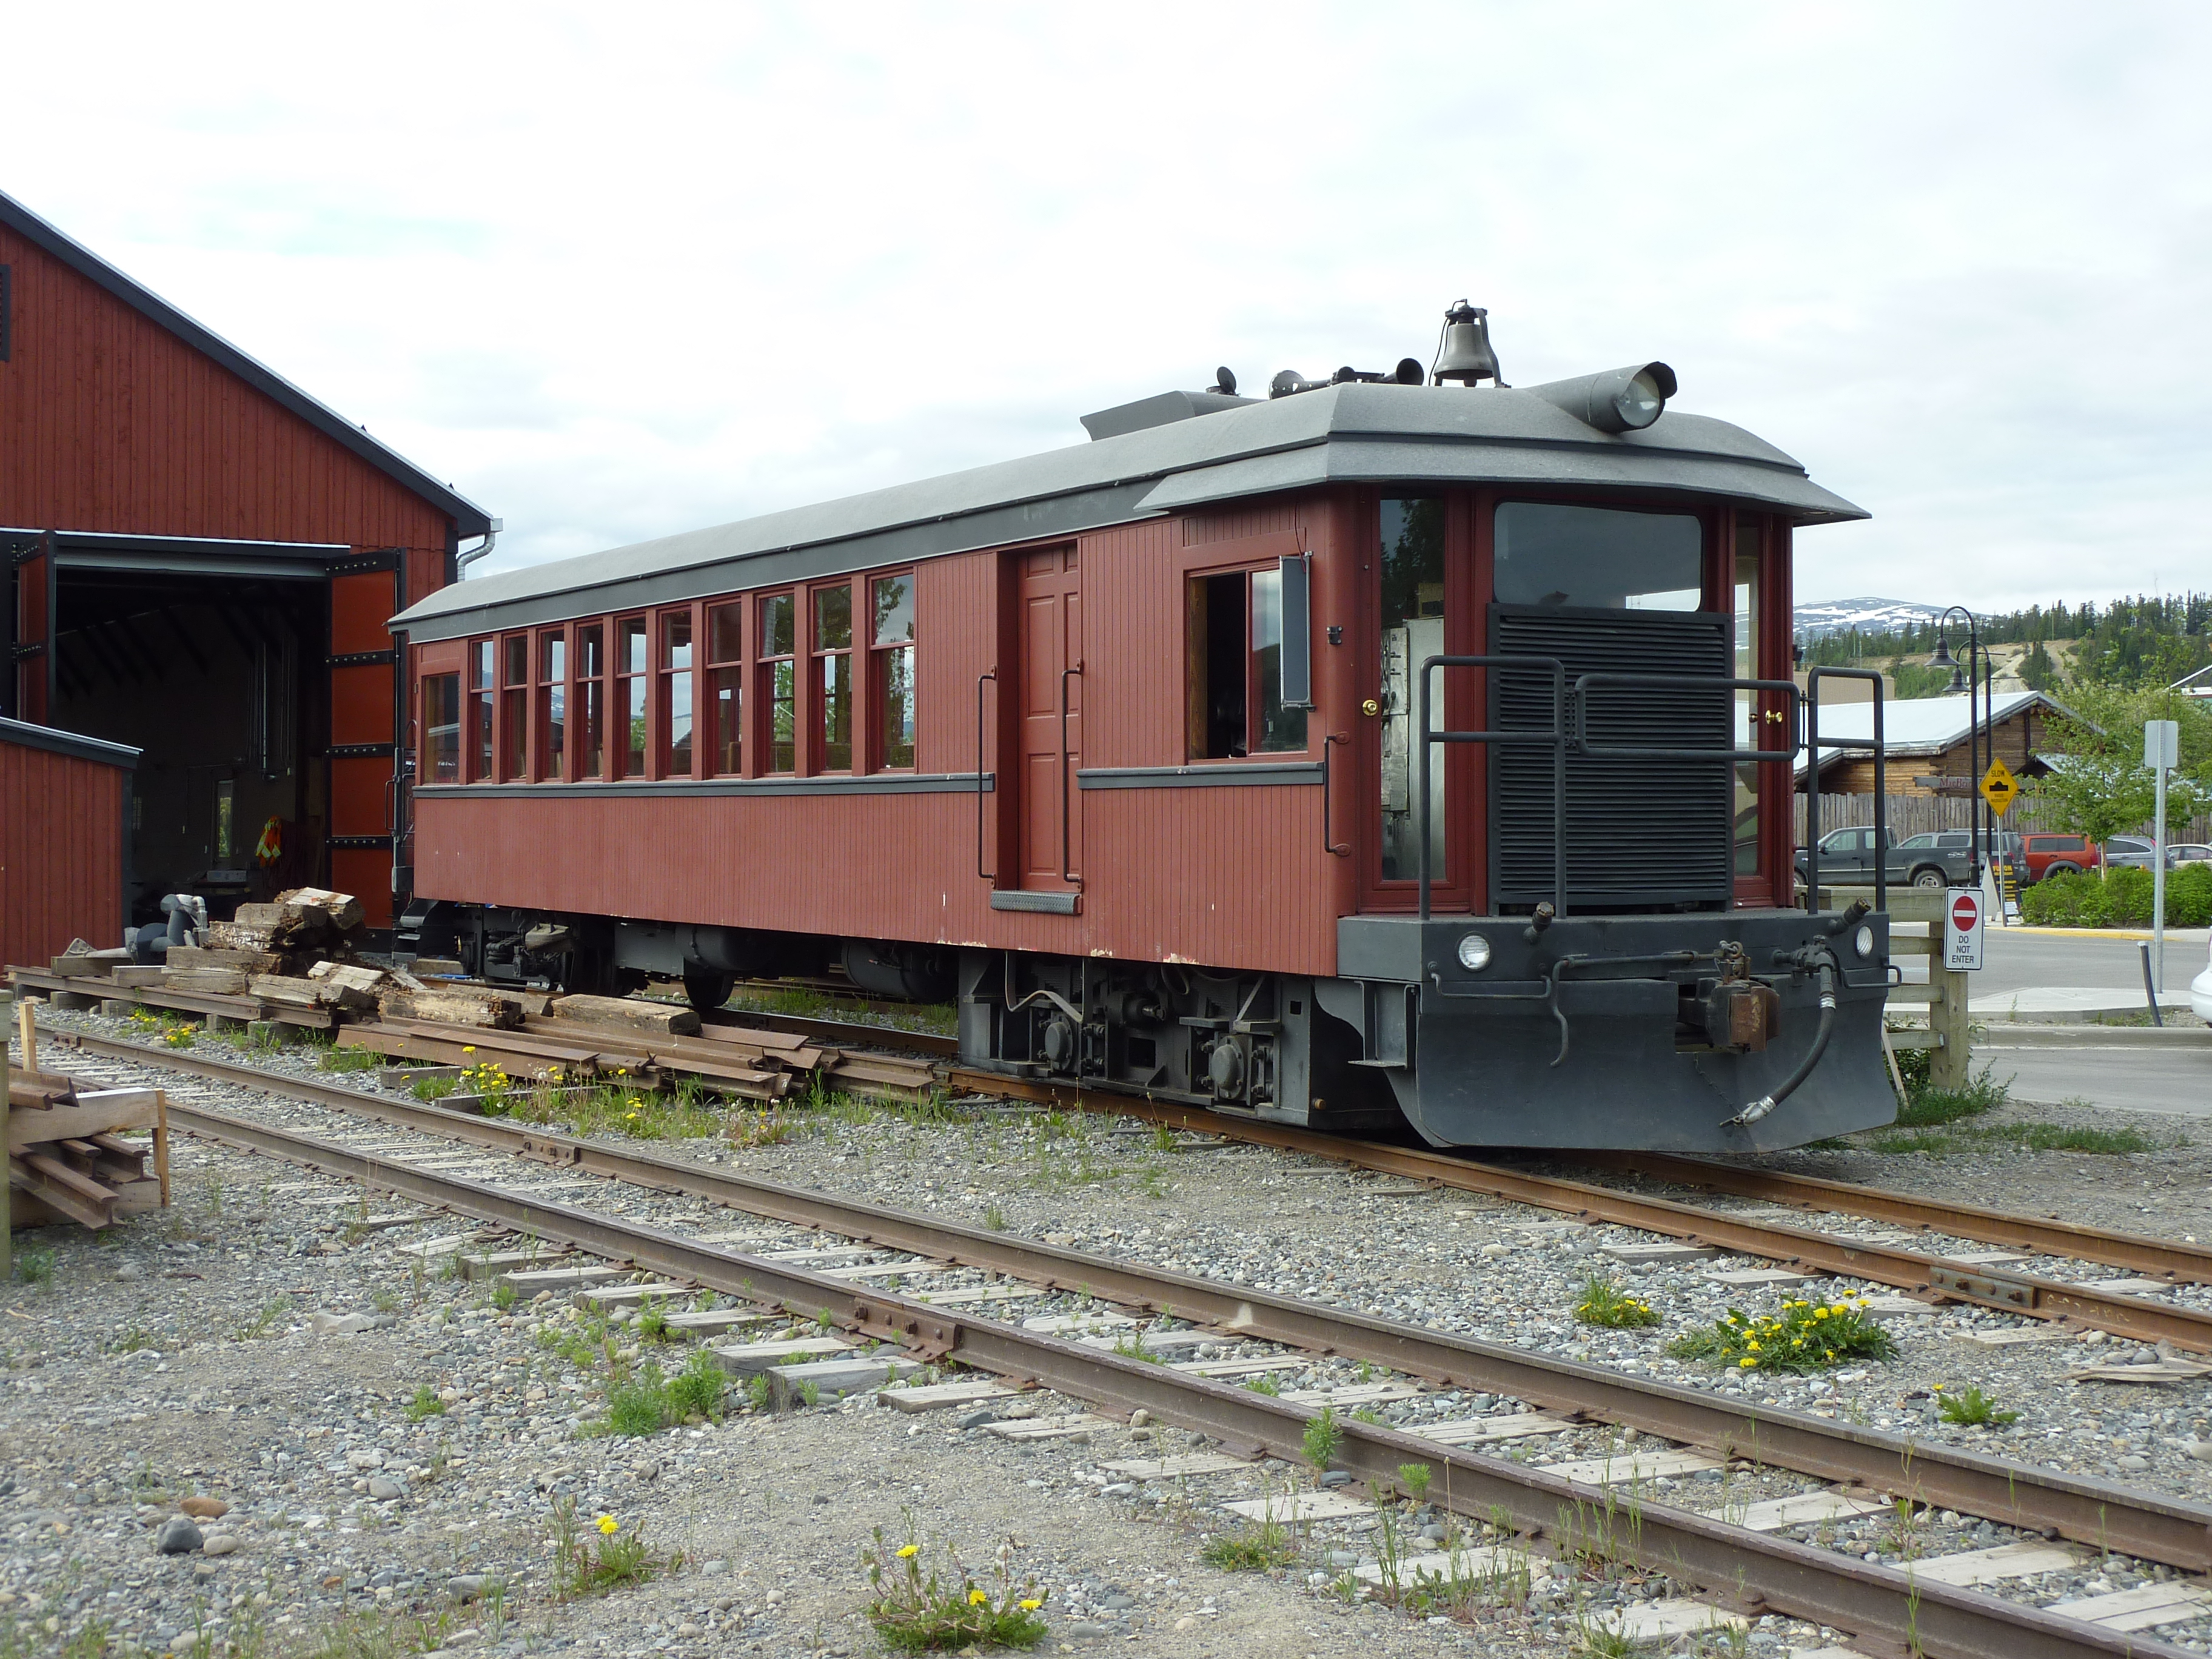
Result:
{"points": [[2161, 753], [1962, 931]]}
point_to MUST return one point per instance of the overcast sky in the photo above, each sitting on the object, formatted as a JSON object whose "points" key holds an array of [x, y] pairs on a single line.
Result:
{"points": [[617, 271]]}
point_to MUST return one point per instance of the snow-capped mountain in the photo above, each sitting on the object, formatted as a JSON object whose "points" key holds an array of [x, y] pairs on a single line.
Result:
{"points": [[1869, 616]]}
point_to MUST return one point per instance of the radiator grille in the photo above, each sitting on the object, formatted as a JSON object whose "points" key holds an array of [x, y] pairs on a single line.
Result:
{"points": [[1640, 833]]}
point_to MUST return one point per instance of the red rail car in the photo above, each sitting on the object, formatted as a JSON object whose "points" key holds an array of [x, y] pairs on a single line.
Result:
{"points": [[1382, 747]]}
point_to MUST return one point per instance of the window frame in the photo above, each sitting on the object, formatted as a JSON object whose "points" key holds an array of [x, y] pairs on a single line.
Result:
{"points": [[877, 690], [764, 664], [667, 682], [714, 669], [590, 687], [1201, 570], [819, 697], [480, 709], [627, 685], [511, 737], [546, 768]]}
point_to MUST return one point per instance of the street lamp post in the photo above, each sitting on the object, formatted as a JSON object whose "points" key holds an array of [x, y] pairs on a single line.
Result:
{"points": [[1965, 674]]}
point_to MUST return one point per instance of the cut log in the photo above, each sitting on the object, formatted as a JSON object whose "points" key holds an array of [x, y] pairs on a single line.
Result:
{"points": [[239, 936], [340, 912], [290, 992], [482, 1009], [354, 975], [135, 978], [89, 964], [212, 982], [628, 1014], [264, 916]]}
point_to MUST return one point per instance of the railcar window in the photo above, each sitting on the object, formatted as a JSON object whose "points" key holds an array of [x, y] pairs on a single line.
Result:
{"points": [[725, 677], [779, 677], [1235, 668], [1598, 556], [592, 696], [833, 677], [514, 708], [552, 706], [630, 680], [1749, 615], [482, 660], [1412, 582], [676, 692], [441, 726], [891, 640]]}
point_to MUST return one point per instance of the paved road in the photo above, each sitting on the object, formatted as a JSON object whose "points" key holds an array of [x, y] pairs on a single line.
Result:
{"points": [[2177, 1082], [2015, 960]]}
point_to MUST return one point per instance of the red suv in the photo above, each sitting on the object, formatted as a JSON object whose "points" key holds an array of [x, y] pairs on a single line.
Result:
{"points": [[2060, 855]]}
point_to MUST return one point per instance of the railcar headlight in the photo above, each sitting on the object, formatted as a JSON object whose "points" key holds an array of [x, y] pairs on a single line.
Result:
{"points": [[1473, 952], [1863, 940]]}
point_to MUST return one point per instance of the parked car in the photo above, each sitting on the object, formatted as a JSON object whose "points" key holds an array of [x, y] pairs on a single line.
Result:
{"points": [[2200, 994], [2059, 855], [2137, 853], [2190, 852], [1997, 845], [1847, 859]]}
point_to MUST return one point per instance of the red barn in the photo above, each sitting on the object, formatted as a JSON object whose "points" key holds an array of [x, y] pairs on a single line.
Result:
{"points": [[202, 558]]}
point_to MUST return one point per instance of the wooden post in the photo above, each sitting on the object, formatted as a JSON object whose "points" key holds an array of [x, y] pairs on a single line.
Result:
{"points": [[161, 1142], [27, 1030], [7, 1186], [1951, 1066]]}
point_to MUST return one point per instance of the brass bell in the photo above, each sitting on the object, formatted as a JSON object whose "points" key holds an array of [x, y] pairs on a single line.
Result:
{"points": [[1465, 355]]}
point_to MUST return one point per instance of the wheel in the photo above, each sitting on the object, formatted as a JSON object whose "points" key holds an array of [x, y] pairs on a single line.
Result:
{"points": [[706, 990], [2062, 869], [1928, 876]]}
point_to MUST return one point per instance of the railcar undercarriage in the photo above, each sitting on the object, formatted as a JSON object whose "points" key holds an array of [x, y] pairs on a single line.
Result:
{"points": [[1736, 1031]]}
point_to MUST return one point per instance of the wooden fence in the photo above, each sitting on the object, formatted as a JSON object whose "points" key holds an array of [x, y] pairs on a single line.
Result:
{"points": [[1913, 815]]}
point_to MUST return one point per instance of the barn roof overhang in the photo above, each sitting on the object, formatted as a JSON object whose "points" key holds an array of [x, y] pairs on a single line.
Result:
{"points": [[183, 556], [1340, 435], [24, 735], [468, 519]]}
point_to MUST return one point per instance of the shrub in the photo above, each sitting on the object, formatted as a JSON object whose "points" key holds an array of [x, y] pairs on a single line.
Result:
{"points": [[2119, 898]]}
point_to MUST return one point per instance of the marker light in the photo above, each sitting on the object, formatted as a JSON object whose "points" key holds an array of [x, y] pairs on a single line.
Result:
{"points": [[1473, 953], [1863, 940]]}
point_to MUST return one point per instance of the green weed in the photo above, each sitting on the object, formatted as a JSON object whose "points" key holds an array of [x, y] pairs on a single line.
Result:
{"points": [[606, 1557], [351, 1059], [1605, 1302], [947, 1609], [1256, 1549], [425, 1403], [35, 1266], [1804, 1337], [1324, 1436], [1970, 1408]]}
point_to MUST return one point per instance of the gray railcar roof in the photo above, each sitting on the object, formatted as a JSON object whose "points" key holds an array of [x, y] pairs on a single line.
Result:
{"points": [[1349, 433]]}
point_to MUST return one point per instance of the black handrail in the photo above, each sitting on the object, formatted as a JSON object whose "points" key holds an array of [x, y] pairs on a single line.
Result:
{"points": [[1556, 738], [991, 675], [1813, 785], [1065, 874]]}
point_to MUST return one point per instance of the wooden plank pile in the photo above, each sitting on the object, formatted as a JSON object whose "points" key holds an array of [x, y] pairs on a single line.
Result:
{"points": [[67, 1159]]}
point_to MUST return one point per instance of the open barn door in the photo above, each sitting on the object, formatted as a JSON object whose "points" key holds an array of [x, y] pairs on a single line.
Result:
{"points": [[34, 629], [365, 714]]}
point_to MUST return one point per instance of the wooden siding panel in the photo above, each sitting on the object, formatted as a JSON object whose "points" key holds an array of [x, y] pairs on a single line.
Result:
{"points": [[110, 423], [61, 853]]}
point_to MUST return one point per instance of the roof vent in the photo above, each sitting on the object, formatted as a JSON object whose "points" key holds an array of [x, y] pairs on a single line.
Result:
{"points": [[1166, 407]]}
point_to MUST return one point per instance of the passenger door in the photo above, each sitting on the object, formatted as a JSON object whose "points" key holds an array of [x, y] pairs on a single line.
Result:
{"points": [[1051, 720]]}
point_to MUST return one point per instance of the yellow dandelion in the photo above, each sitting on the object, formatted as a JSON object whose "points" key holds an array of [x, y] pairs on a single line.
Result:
{"points": [[1753, 1344], [976, 1598], [468, 1048], [1032, 1605], [907, 1551], [608, 1526], [1746, 1365]]}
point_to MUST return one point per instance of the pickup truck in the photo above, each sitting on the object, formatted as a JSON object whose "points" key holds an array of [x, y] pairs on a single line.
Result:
{"points": [[1847, 860]]}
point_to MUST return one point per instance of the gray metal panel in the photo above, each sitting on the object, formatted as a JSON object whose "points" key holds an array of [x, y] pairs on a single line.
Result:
{"points": [[1053, 904], [1253, 774], [883, 783], [27, 735], [171, 564], [1379, 947], [1158, 411], [1446, 434], [468, 519]]}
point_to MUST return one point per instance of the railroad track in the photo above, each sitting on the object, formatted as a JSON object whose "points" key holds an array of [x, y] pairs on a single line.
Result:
{"points": [[2124, 1311], [1742, 1567]]}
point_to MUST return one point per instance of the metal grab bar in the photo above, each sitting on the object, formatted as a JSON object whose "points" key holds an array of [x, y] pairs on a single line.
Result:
{"points": [[1580, 743], [1342, 849], [1813, 786], [991, 675], [1556, 738], [1065, 874]]}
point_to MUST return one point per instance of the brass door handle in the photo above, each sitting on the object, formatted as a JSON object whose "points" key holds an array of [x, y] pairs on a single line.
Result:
{"points": [[1371, 708]]}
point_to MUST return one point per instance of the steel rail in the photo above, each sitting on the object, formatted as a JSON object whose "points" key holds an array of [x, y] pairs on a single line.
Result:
{"points": [[1751, 1569], [2014, 1494], [1917, 1272], [2046, 1236]]}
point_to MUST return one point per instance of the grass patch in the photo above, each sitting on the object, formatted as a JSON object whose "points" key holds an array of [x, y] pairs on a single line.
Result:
{"points": [[1264, 1385], [1256, 1549], [947, 1609], [425, 1403], [1970, 1408], [604, 1556], [1927, 1106], [617, 1107], [352, 1060], [1323, 1439], [35, 1266], [650, 1401], [1605, 1302], [2020, 1137], [751, 1129], [435, 1088], [1804, 1337]]}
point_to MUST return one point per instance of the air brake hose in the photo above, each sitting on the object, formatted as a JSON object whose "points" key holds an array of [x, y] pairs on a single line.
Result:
{"points": [[1765, 1103]]}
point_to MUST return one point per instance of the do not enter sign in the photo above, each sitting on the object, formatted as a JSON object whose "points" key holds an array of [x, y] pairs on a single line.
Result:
{"points": [[1962, 932]]}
